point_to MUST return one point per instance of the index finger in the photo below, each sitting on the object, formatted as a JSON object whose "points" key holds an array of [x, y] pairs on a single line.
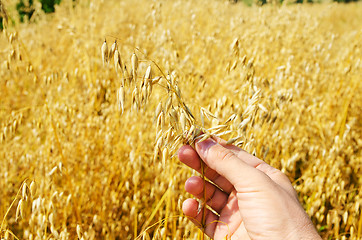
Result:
{"points": [[189, 156], [225, 162]]}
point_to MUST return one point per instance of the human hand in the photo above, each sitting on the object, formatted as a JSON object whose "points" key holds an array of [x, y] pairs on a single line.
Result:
{"points": [[253, 200]]}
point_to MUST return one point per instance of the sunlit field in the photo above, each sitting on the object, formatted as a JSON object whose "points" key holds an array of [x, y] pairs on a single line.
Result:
{"points": [[89, 135]]}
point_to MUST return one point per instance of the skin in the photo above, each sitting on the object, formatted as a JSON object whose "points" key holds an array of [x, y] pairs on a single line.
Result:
{"points": [[252, 199]]}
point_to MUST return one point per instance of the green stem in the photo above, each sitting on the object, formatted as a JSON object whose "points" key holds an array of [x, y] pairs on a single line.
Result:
{"points": [[203, 217]]}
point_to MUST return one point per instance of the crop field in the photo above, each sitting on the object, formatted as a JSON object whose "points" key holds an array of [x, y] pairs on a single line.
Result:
{"points": [[89, 130]]}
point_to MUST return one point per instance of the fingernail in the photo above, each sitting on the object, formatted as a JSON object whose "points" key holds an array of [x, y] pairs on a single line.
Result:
{"points": [[204, 146]]}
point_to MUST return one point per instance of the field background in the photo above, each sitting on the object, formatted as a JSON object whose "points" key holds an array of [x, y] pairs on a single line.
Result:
{"points": [[95, 168]]}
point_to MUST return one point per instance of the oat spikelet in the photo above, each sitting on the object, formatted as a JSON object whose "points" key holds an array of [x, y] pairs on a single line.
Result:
{"points": [[126, 75], [121, 98], [134, 62], [231, 118], [158, 110], [235, 46], [117, 60], [135, 98], [173, 117], [168, 103], [79, 231], [60, 167], [169, 135], [203, 137], [261, 107], [5, 132], [51, 219], [157, 148], [218, 127], [165, 155], [54, 232], [19, 210], [190, 134], [160, 120], [149, 89], [112, 50], [231, 141], [208, 113], [202, 118], [24, 195], [148, 73], [104, 52], [235, 64], [252, 106], [178, 91], [244, 123], [144, 94], [156, 80], [222, 133], [183, 121]]}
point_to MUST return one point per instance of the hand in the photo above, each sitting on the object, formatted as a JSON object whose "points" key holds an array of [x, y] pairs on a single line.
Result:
{"points": [[252, 199]]}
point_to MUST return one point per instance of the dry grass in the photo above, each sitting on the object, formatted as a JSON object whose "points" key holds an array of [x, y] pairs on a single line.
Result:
{"points": [[282, 82]]}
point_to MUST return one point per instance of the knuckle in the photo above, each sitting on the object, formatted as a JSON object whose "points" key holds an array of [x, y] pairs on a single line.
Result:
{"points": [[261, 176], [282, 176], [225, 155]]}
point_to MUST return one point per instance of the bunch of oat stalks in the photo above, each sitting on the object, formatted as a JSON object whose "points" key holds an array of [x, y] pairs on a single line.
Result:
{"points": [[89, 128]]}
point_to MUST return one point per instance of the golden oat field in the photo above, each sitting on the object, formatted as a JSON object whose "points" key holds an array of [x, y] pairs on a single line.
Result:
{"points": [[89, 130]]}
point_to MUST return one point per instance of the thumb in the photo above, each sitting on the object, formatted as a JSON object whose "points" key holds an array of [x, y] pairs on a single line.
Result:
{"points": [[227, 164]]}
